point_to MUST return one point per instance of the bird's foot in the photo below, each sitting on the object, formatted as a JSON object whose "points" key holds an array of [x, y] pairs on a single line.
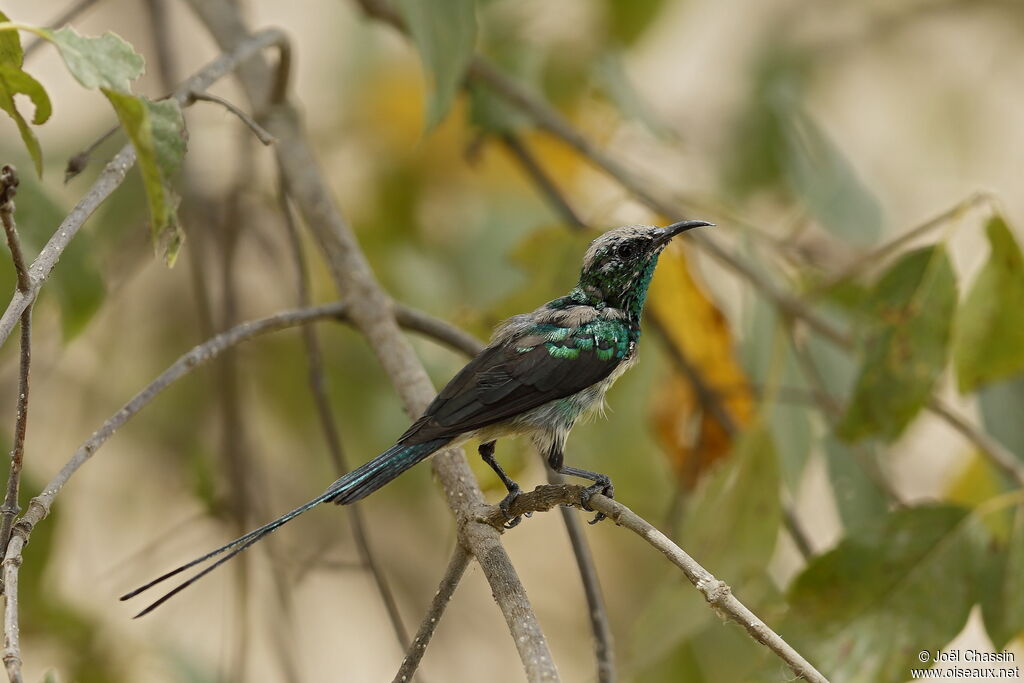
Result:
{"points": [[602, 486], [511, 521]]}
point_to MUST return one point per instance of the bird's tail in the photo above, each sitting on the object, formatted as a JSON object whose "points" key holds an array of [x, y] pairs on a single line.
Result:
{"points": [[349, 488]]}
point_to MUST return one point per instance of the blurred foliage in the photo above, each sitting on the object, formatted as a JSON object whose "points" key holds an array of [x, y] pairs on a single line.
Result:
{"points": [[909, 316], [702, 341], [452, 224]]}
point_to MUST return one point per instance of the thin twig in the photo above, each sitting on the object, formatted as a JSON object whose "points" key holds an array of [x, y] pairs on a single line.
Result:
{"points": [[259, 131], [604, 649], [522, 154], [318, 390], [370, 311], [114, 173], [10, 508], [716, 592], [200, 354], [450, 580], [878, 254], [78, 162], [998, 454]]}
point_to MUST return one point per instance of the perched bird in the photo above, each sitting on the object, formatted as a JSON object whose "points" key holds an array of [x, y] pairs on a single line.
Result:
{"points": [[541, 371]]}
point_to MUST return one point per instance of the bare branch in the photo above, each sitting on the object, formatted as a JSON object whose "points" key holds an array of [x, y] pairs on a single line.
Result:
{"points": [[604, 650], [12, 643], [873, 257], [261, 134], [369, 308], [522, 154], [114, 172], [450, 580], [10, 508], [716, 592], [318, 390]]}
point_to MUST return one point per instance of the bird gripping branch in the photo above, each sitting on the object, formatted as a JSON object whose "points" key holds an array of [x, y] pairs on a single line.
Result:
{"points": [[540, 373]]}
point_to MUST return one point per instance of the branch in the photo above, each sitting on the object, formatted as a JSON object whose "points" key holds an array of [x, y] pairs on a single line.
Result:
{"points": [[370, 311], [716, 592], [524, 157], [261, 134], [12, 643], [604, 650], [450, 580], [318, 390], [114, 172], [10, 508]]}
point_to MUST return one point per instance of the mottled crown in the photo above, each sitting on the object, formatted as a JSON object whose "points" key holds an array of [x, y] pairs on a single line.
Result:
{"points": [[610, 243]]}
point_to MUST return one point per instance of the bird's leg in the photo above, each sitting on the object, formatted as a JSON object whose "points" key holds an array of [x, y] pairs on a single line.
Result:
{"points": [[487, 453], [602, 484]]}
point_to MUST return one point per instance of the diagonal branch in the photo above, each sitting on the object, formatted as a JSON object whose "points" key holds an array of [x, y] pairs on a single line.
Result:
{"points": [[716, 592], [450, 580], [318, 390], [369, 309]]}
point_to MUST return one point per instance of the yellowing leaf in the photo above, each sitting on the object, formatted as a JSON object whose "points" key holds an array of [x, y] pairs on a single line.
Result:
{"points": [[695, 436]]}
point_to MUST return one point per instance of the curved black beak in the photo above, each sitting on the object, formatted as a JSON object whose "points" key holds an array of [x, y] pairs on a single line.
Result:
{"points": [[665, 234]]}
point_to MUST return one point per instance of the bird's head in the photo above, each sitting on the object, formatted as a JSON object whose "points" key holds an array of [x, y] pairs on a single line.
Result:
{"points": [[619, 264]]}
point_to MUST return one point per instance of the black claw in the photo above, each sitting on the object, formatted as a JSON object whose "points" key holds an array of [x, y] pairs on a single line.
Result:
{"points": [[602, 486], [506, 504]]}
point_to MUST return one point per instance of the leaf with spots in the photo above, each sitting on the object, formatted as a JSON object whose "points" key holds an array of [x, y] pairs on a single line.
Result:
{"points": [[863, 610], [910, 315]]}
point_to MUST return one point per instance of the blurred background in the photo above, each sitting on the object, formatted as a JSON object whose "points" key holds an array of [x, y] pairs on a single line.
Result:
{"points": [[812, 133]]}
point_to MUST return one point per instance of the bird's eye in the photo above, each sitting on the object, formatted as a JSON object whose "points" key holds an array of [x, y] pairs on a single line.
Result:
{"points": [[626, 250]]}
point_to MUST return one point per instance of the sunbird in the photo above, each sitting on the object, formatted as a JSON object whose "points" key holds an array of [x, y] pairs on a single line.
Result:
{"points": [[540, 373]]}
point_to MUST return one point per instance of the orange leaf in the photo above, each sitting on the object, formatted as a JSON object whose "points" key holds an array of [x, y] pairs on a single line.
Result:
{"points": [[695, 414]]}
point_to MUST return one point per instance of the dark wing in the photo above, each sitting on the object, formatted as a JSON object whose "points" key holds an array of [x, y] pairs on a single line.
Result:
{"points": [[503, 381]]}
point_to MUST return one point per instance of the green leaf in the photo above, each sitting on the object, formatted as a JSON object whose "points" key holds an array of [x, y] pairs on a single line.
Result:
{"points": [[1002, 587], [156, 130], [14, 81], [10, 46], [862, 611], [988, 342], [911, 308], [445, 35], [858, 498], [107, 62], [824, 180], [1001, 406]]}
